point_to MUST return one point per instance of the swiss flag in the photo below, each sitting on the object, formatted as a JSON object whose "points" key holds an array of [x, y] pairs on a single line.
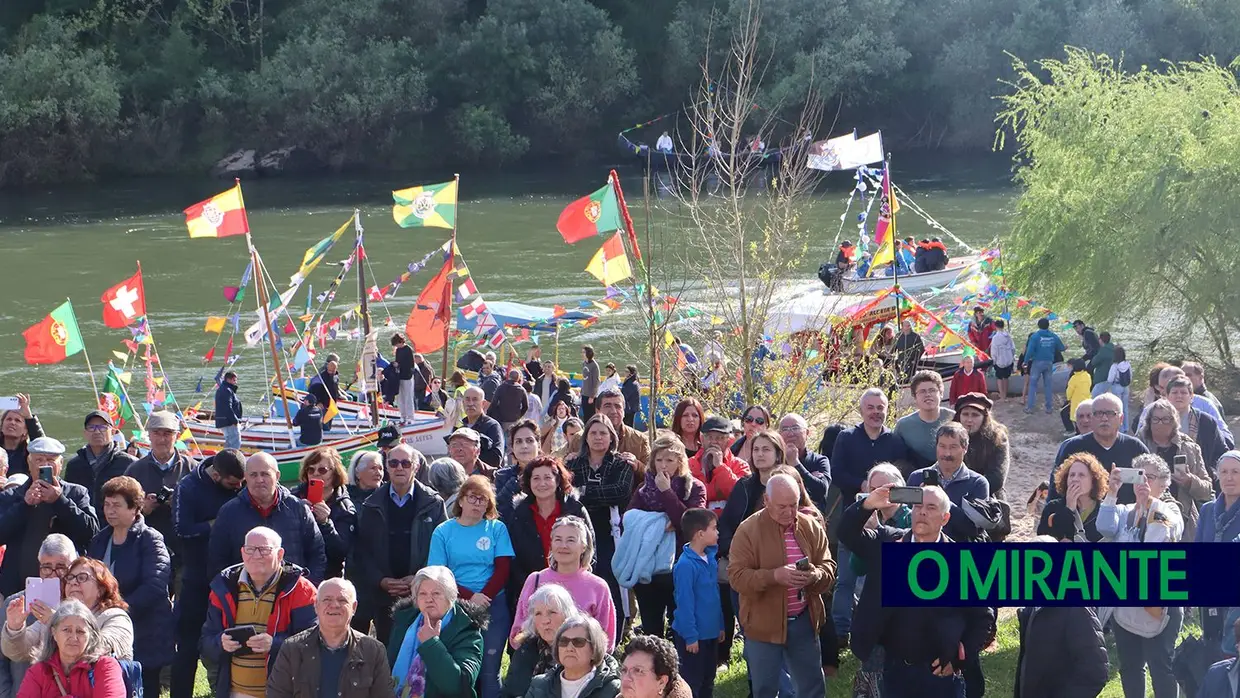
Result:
{"points": [[124, 302]]}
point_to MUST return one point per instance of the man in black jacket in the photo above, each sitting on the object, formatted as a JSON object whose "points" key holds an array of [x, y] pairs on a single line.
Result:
{"points": [[924, 647], [43, 505], [400, 517], [160, 473], [510, 401], [100, 460], [228, 410], [1062, 651], [472, 400]]}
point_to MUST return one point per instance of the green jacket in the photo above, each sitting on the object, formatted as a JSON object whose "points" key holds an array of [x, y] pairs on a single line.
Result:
{"points": [[522, 667], [453, 659], [604, 684], [1100, 365]]}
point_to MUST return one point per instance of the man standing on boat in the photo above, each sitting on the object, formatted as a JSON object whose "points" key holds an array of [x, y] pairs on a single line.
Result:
{"points": [[407, 398], [326, 386], [228, 410]]}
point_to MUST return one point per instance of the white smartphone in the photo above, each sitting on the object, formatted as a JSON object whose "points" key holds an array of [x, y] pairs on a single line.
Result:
{"points": [[9, 402], [1131, 476], [45, 590]]}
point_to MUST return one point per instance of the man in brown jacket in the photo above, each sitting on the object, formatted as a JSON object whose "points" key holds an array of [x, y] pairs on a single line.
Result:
{"points": [[332, 653], [780, 564]]}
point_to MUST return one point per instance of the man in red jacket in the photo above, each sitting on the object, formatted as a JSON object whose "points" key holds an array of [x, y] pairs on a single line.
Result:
{"points": [[714, 465]]}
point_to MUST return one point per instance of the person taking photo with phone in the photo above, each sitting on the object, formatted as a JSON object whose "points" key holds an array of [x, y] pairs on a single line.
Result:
{"points": [[44, 504], [924, 648], [1190, 481], [323, 489]]}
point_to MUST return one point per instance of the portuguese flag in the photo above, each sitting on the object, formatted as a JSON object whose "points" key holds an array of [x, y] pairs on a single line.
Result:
{"points": [[590, 215], [55, 338], [112, 398], [427, 206]]}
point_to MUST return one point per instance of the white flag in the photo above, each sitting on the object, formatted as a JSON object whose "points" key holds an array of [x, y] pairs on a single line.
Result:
{"points": [[846, 152]]}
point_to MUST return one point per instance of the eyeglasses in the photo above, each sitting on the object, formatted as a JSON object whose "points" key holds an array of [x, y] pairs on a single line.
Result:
{"points": [[790, 429], [1161, 420], [258, 550], [399, 463], [1106, 414], [320, 470], [755, 420], [475, 499], [58, 570], [578, 642], [98, 427], [637, 672], [80, 577], [928, 392]]}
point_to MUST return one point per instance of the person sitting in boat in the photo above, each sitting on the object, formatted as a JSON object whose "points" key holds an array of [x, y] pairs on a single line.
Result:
{"points": [[921, 257], [904, 257], [937, 253], [309, 421], [863, 266], [664, 144], [847, 254]]}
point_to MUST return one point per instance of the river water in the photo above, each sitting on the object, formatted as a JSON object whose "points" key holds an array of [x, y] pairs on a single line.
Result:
{"points": [[76, 241]]}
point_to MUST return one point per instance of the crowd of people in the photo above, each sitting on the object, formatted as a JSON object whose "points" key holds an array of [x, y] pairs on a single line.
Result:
{"points": [[598, 561]]}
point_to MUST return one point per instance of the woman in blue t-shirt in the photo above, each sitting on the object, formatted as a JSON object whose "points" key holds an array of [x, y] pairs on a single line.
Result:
{"points": [[474, 544]]}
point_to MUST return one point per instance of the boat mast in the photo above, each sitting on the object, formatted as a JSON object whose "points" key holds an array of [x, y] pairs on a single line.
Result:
{"points": [[446, 301], [371, 396], [271, 340]]}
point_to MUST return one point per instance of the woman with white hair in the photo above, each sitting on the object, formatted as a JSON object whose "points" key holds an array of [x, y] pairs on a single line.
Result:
{"points": [[72, 661], [436, 644], [446, 477], [365, 475], [585, 668], [534, 644], [572, 549], [1190, 481]]}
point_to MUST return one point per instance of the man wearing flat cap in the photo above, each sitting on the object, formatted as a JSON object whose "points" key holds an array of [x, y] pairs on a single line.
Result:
{"points": [[466, 447], [44, 505], [100, 460], [160, 473]]}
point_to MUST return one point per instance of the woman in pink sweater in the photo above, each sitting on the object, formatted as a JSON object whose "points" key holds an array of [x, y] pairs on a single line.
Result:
{"points": [[572, 549], [70, 663]]}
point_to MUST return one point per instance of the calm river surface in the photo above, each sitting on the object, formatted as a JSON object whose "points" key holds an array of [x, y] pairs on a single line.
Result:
{"points": [[77, 241]]}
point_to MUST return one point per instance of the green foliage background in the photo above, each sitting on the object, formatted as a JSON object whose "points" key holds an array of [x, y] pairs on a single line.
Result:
{"points": [[94, 87]]}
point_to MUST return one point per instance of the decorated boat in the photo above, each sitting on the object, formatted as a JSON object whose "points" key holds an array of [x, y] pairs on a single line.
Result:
{"points": [[958, 269]]}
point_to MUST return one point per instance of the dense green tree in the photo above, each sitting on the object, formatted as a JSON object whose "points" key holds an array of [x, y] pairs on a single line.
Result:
{"points": [[1128, 183], [59, 105]]}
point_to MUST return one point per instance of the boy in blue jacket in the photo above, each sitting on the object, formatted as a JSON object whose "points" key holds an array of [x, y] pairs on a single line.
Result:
{"points": [[698, 622]]}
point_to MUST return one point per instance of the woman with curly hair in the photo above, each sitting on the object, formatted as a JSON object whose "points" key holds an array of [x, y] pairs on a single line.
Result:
{"points": [[1074, 516], [989, 452]]}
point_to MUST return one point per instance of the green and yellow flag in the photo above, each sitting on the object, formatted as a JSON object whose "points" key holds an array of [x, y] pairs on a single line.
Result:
{"points": [[427, 206], [317, 252]]}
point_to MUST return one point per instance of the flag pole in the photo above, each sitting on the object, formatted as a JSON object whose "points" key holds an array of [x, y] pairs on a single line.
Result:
{"points": [[146, 320], [371, 395], [447, 324], [85, 355], [260, 281], [893, 233], [136, 413]]}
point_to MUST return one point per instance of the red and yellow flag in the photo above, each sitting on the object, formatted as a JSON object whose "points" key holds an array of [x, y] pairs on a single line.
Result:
{"points": [[220, 216]]}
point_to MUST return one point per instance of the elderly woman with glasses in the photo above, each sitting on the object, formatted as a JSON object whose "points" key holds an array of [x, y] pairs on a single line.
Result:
{"points": [[585, 669], [436, 645], [650, 669], [92, 583], [1190, 481], [332, 508], [25, 622], [1145, 636], [474, 544], [534, 643], [73, 660]]}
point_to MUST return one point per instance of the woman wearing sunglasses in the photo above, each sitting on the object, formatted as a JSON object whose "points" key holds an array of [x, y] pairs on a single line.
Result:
{"points": [[586, 670], [475, 546], [334, 511], [754, 421]]}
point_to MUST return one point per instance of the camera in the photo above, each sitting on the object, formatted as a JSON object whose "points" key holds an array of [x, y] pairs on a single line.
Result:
{"points": [[165, 493]]}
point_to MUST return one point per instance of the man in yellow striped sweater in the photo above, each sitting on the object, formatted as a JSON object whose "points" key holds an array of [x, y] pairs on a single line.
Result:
{"points": [[254, 606]]}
